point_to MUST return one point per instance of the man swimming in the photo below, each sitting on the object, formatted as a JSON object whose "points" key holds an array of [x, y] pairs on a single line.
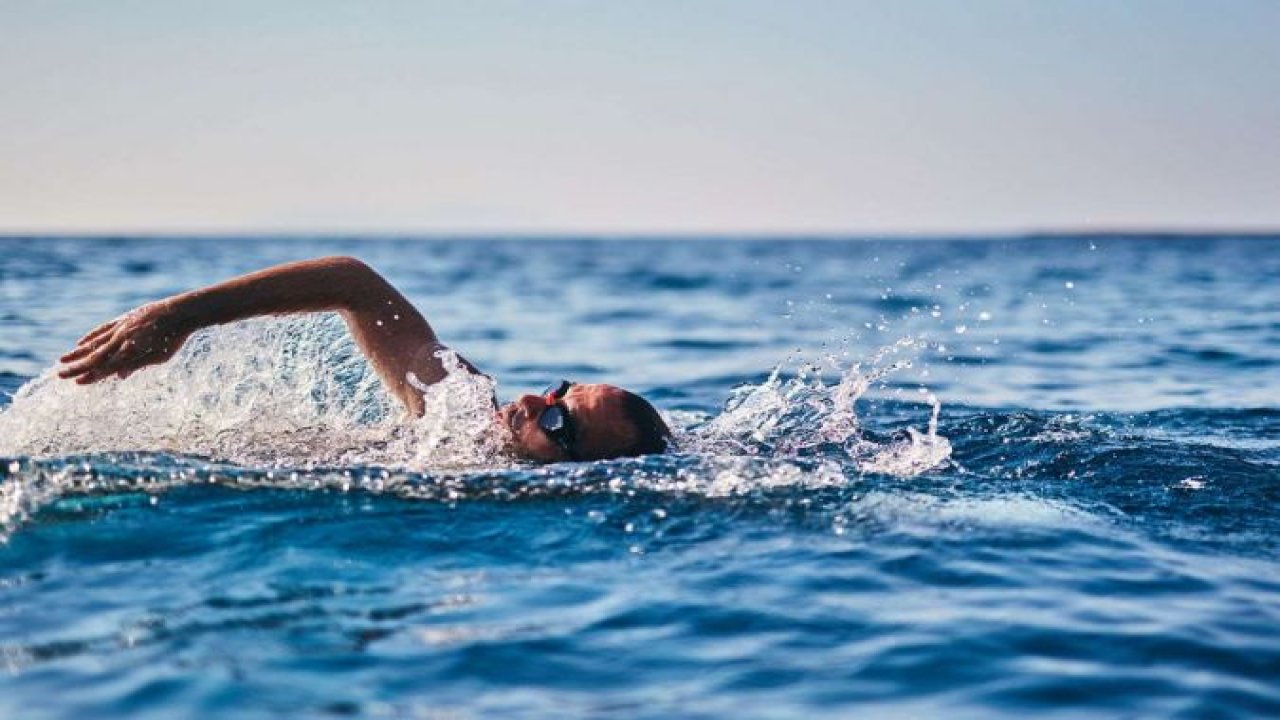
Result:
{"points": [[569, 422]]}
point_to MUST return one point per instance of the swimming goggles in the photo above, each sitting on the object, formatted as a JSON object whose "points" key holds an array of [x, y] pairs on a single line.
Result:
{"points": [[555, 420]]}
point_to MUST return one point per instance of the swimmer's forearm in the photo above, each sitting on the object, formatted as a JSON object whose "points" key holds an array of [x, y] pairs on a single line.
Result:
{"points": [[325, 284]]}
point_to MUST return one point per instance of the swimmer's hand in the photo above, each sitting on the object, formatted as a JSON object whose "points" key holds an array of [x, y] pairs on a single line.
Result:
{"points": [[149, 335]]}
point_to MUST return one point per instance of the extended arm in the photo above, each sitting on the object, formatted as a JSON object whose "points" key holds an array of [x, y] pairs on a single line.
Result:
{"points": [[389, 331]]}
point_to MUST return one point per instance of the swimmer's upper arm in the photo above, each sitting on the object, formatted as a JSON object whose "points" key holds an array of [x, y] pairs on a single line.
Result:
{"points": [[391, 332]]}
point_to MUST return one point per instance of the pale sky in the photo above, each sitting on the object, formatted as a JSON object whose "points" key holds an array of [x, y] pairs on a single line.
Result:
{"points": [[594, 116]]}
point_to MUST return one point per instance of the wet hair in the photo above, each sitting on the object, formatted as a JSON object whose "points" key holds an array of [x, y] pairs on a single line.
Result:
{"points": [[651, 432]]}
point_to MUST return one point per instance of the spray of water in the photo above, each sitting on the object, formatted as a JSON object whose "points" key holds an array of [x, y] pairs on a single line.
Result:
{"points": [[804, 416], [291, 403], [269, 393]]}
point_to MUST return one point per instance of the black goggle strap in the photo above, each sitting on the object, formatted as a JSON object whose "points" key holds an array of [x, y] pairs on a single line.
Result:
{"points": [[555, 392]]}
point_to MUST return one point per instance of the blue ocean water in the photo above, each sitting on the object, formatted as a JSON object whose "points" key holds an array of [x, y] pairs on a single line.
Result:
{"points": [[250, 531]]}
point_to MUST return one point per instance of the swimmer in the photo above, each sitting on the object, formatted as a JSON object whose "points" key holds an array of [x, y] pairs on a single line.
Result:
{"points": [[569, 422]]}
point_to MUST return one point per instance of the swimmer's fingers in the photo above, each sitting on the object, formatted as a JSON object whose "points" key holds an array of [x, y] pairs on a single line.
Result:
{"points": [[84, 348], [91, 342], [76, 353], [96, 374], [80, 359], [98, 332], [95, 359], [123, 363]]}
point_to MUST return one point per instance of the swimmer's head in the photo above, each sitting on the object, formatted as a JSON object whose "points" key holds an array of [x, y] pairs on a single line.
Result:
{"points": [[583, 422]]}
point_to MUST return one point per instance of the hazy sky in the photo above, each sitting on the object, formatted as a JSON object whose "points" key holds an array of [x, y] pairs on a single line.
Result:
{"points": [[597, 116]]}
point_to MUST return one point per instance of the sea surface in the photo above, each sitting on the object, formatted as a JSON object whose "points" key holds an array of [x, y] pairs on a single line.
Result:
{"points": [[960, 478]]}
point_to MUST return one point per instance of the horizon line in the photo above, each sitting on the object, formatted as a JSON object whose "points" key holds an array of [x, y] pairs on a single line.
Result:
{"points": [[1154, 231]]}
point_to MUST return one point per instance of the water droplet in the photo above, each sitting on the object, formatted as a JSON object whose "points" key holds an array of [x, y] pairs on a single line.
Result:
{"points": [[962, 329], [1195, 482], [984, 315], [1070, 285]]}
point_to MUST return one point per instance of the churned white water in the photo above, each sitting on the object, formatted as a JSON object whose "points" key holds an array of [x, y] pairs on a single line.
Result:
{"points": [[297, 393], [270, 392]]}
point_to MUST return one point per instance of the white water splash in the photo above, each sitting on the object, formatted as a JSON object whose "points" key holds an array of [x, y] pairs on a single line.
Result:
{"points": [[803, 415], [295, 395], [270, 392]]}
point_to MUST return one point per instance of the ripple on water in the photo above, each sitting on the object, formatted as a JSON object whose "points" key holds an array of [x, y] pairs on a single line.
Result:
{"points": [[264, 541]]}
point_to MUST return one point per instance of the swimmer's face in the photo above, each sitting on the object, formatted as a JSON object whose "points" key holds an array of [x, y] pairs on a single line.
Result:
{"points": [[596, 414]]}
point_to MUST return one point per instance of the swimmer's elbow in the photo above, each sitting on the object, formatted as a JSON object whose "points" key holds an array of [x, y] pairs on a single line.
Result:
{"points": [[350, 265], [360, 282]]}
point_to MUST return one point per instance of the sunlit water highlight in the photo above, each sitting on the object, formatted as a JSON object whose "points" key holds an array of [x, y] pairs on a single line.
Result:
{"points": [[961, 479]]}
